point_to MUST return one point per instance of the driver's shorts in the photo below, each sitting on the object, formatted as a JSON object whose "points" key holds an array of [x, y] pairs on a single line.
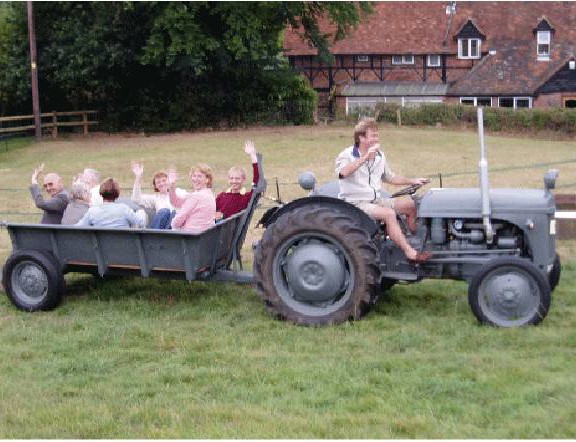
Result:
{"points": [[369, 206]]}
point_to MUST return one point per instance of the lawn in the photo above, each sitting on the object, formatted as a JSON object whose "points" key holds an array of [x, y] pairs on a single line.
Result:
{"points": [[135, 358]]}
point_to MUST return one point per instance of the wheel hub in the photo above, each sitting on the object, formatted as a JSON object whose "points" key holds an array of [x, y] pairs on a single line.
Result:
{"points": [[30, 281], [509, 292], [315, 273]]}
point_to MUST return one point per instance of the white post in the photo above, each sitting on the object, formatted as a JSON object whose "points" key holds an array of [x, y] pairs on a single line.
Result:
{"points": [[484, 189]]}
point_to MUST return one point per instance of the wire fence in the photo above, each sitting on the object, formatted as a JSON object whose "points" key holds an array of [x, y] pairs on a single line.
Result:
{"points": [[275, 183]]}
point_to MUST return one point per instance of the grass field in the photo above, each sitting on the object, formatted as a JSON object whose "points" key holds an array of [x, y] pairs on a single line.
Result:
{"points": [[135, 358]]}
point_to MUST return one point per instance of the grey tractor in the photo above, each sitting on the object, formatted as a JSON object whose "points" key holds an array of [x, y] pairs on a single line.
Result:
{"points": [[323, 261]]}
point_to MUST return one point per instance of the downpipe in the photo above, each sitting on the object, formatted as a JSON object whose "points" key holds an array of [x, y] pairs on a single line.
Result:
{"points": [[483, 171]]}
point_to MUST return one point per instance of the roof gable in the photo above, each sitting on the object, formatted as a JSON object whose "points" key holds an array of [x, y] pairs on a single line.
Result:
{"points": [[563, 80], [543, 25], [469, 30]]}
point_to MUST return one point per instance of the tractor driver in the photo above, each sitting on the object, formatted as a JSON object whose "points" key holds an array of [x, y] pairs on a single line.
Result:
{"points": [[361, 168]]}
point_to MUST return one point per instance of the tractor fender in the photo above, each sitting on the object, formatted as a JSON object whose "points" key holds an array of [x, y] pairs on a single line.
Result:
{"points": [[355, 214]]}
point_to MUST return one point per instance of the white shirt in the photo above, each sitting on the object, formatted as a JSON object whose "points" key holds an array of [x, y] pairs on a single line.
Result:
{"points": [[365, 183]]}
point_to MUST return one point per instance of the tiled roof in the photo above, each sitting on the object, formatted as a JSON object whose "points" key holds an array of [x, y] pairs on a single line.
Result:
{"points": [[563, 80], [420, 27], [513, 70], [424, 27]]}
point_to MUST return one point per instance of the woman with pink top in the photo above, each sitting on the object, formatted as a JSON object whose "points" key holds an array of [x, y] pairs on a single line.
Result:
{"points": [[196, 212]]}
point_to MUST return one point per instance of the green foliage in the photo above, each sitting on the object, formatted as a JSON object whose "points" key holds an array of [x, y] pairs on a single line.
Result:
{"points": [[158, 66], [495, 119]]}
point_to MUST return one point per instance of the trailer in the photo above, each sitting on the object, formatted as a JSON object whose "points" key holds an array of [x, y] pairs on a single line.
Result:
{"points": [[33, 275]]}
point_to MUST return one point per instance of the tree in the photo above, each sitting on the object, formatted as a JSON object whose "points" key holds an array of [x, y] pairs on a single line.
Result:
{"points": [[165, 65]]}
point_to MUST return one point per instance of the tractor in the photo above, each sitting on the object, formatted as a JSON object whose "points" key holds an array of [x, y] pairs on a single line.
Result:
{"points": [[323, 261]]}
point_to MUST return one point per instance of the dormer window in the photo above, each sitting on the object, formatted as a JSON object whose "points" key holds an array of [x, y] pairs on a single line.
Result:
{"points": [[469, 48], [543, 43], [469, 41], [543, 33]]}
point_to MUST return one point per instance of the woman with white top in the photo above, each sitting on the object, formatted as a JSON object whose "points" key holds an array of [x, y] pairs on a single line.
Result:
{"points": [[158, 200]]}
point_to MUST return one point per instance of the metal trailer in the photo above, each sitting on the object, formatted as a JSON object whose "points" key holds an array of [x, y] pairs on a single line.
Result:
{"points": [[33, 274]]}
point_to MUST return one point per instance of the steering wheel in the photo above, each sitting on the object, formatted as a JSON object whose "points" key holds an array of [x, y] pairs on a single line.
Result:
{"points": [[410, 190]]}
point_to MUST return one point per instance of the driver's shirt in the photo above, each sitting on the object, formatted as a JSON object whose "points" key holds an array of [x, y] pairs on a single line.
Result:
{"points": [[365, 183]]}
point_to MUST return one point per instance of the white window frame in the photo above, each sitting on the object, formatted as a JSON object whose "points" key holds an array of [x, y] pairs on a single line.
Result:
{"points": [[543, 38], [429, 61], [515, 101], [402, 59], [475, 99], [467, 43], [362, 58]]}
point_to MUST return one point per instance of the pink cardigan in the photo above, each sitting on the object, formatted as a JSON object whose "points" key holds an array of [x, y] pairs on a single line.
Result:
{"points": [[196, 212]]}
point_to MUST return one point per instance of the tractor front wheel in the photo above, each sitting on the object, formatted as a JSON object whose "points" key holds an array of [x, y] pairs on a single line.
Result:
{"points": [[509, 292]]}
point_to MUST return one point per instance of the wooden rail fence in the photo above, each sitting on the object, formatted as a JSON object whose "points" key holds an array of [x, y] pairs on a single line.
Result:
{"points": [[49, 121]]}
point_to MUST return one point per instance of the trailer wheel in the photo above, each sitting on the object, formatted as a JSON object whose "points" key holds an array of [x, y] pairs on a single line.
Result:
{"points": [[509, 292], [32, 281], [554, 275], [315, 266]]}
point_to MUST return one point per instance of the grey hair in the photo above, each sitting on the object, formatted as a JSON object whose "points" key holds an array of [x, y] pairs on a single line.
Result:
{"points": [[79, 191], [91, 175]]}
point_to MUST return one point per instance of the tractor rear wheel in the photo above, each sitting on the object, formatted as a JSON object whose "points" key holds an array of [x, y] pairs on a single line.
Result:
{"points": [[315, 266], [509, 292]]}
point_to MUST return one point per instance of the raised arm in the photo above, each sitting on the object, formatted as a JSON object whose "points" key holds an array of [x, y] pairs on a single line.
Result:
{"points": [[138, 170], [250, 150], [175, 200]]}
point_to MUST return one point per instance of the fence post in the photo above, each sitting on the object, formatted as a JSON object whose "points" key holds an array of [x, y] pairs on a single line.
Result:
{"points": [[398, 117], [54, 124], [85, 121]]}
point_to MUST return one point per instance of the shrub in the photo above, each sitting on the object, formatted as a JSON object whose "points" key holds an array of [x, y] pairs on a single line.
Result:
{"points": [[495, 119]]}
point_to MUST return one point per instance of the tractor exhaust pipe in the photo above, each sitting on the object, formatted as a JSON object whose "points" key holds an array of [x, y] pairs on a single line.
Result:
{"points": [[483, 170]]}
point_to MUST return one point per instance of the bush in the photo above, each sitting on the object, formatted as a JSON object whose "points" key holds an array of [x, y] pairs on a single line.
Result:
{"points": [[495, 119]]}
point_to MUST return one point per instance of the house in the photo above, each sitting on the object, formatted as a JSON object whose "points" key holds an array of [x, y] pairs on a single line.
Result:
{"points": [[505, 54]]}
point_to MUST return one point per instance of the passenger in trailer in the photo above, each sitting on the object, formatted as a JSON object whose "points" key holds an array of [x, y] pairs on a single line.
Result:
{"points": [[111, 213]]}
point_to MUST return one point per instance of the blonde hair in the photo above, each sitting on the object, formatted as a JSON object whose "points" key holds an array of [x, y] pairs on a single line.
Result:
{"points": [[205, 169], [236, 169], [361, 128]]}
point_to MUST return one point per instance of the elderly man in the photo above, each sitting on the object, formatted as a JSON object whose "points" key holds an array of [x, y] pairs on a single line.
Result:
{"points": [[54, 206], [361, 168]]}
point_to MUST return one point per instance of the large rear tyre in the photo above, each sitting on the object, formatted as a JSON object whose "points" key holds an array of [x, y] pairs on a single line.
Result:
{"points": [[33, 281], [315, 266], [509, 292], [554, 275]]}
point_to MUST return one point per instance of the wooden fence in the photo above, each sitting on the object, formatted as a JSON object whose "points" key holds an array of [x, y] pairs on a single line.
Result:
{"points": [[49, 121]]}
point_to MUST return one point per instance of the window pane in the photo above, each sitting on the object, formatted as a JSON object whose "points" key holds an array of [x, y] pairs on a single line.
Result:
{"points": [[396, 59], [473, 47], [543, 37], [408, 59], [543, 49], [433, 60], [464, 43], [486, 102], [522, 102], [506, 102], [467, 101]]}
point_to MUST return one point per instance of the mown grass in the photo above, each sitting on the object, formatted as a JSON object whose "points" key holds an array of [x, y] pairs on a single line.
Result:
{"points": [[135, 358]]}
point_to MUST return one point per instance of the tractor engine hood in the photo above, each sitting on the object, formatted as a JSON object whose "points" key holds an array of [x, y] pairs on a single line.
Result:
{"points": [[467, 203]]}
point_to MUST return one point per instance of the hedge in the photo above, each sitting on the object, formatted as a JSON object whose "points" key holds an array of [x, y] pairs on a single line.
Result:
{"points": [[495, 119]]}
